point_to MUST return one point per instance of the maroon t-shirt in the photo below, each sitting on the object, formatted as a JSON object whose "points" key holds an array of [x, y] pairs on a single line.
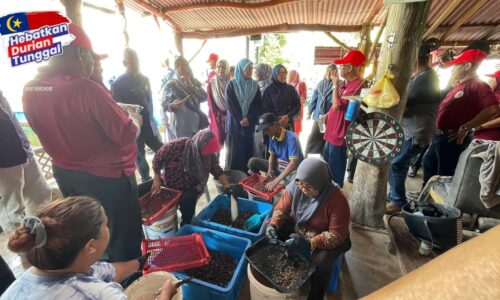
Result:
{"points": [[463, 103], [80, 126], [336, 125]]}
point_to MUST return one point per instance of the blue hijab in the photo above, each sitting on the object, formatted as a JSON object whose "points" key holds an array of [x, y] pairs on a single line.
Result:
{"points": [[245, 88]]}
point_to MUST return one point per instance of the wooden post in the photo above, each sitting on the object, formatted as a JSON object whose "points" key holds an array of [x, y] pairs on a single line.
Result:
{"points": [[73, 11], [405, 23], [178, 36], [364, 45]]}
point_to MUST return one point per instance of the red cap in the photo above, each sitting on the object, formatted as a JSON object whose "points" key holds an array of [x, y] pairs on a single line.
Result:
{"points": [[81, 38], [472, 55], [213, 57], [496, 74], [353, 57]]}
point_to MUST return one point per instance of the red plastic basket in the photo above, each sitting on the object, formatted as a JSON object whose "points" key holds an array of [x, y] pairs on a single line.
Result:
{"points": [[176, 253], [154, 208], [249, 183]]}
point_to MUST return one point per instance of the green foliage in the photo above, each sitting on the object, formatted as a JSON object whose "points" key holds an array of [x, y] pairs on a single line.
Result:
{"points": [[271, 50]]}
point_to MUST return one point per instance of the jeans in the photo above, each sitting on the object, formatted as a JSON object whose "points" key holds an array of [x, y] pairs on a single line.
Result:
{"points": [[399, 170], [442, 156], [417, 162], [336, 157]]}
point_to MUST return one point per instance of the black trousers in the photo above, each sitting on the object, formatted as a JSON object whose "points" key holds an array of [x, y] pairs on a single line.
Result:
{"points": [[323, 259], [118, 196], [6, 276], [153, 142], [315, 141]]}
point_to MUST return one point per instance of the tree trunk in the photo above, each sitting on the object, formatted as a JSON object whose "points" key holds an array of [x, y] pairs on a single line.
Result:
{"points": [[73, 11], [405, 26], [364, 46]]}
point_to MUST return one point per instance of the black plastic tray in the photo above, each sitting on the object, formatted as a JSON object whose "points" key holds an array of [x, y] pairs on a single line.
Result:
{"points": [[310, 267]]}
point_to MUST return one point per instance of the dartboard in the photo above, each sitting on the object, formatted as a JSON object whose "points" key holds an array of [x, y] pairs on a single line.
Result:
{"points": [[375, 138]]}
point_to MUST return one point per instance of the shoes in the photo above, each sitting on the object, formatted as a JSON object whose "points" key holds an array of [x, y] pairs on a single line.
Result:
{"points": [[412, 172], [350, 176], [391, 208]]}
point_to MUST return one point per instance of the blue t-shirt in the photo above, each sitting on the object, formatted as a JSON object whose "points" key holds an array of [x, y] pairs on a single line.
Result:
{"points": [[96, 285], [286, 147]]}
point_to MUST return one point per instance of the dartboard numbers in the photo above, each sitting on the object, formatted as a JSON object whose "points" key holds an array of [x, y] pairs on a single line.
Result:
{"points": [[375, 138]]}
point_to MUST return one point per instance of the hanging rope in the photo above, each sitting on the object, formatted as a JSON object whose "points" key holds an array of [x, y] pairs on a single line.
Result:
{"points": [[121, 10]]}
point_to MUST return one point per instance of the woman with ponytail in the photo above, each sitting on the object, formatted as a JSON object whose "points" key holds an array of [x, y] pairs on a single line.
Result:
{"points": [[63, 242]]}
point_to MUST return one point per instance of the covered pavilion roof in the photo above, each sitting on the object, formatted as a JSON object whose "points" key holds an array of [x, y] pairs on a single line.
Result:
{"points": [[452, 21]]}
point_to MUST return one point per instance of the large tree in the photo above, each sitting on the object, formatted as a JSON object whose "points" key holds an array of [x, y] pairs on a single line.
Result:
{"points": [[271, 50]]}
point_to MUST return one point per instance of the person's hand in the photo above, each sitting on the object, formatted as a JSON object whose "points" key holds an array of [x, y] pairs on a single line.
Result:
{"points": [[322, 117], [459, 136], [176, 104], [228, 190], [142, 260], [270, 186], [271, 234], [283, 120], [136, 118], [156, 187], [168, 290], [308, 117], [334, 77], [269, 174], [299, 244], [244, 122]]}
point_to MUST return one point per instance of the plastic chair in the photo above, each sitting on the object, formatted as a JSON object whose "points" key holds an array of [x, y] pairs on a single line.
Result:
{"points": [[335, 279]]}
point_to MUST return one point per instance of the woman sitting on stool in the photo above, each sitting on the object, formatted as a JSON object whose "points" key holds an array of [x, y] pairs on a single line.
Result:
{"points": [[63, 243], [314, 215]]}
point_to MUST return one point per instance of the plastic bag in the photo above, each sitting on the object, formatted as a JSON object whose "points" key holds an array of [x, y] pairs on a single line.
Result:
{"points": [[382, 94]]}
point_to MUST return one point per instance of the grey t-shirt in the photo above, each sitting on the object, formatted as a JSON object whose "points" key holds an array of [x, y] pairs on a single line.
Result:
{"points": [[422, 106], [93, 286]]}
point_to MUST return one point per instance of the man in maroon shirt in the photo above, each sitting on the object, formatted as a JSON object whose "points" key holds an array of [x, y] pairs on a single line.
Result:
{"points": [[90, 139], [469, 104], [335, 152]]}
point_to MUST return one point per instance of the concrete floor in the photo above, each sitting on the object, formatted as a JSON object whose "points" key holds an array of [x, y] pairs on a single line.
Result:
{"points": [[368, 265]]}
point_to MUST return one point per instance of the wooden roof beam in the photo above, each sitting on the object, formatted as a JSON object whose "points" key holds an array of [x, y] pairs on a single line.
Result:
{"points": [[464, 17], [491, 32], [223, 33], [339, 42], [449, 9], [217, 4], [375, 11], [155, 11]]}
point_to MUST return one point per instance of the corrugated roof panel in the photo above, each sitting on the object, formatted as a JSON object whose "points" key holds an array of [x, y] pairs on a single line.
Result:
{"points": [[323, 12]]}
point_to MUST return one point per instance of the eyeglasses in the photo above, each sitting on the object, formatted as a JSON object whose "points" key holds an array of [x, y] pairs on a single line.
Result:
{"points": [[302, 185]]}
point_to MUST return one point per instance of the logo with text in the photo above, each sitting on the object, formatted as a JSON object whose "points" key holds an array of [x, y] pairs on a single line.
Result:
{"points": [[34, 36]]}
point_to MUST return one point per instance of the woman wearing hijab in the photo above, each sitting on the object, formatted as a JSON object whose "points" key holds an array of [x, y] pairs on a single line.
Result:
{"points": [[280, 98], [301, 88], [184, 164], [262, 74], [320, 104], [313, 214], [217, 105], [182, 97], [243, 110]]}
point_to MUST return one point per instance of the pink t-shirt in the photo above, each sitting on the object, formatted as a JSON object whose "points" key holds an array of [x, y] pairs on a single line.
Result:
{"points": [[336, 125], [80, 126]]}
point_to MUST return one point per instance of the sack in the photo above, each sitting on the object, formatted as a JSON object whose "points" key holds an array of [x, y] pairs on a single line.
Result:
{"points": [[382, 94]]}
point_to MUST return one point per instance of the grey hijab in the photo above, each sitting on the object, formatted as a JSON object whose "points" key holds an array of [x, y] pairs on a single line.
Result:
{"points": [[316, 172]]}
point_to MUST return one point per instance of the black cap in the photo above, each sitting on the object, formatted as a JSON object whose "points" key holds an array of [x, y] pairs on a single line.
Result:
{"points": [[266, 120]]}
